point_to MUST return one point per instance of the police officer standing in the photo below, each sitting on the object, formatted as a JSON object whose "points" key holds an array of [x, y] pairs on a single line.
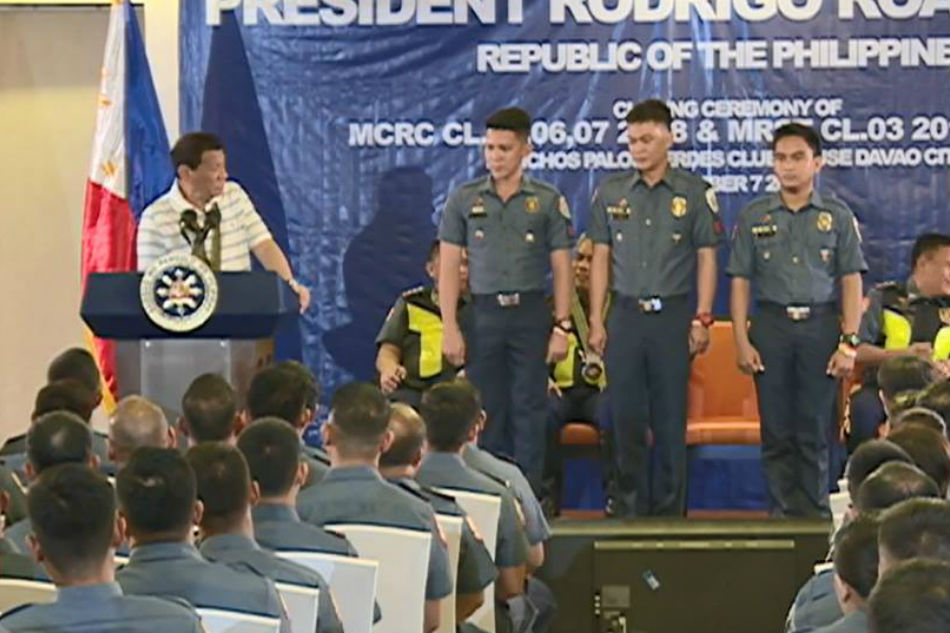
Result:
{"points": [[901, 318], [655, 228], [409, 345], [514, 228], [793, 246]]}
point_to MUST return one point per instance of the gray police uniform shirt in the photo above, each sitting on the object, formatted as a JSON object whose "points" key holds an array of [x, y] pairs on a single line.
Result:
{"points": [[14, 564], [536, 525], [102, 608], [509, 244], [654, 232], [855, 622], [278, 527], [177, 569], [448, 470], [17, 535], [244, 554], [476, 569], [318, 464], [16, 510], [794, 258], [358, 494], [815, 605]]}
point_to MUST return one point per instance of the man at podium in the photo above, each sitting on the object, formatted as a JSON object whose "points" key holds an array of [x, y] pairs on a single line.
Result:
{"points": [[206, 214]]}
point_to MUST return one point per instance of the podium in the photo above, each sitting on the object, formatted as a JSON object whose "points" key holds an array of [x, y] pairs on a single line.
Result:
{"points": [[235, 342]]}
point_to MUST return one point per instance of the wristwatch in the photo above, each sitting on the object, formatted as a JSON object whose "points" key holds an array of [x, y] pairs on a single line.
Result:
{"points": [[705, 319], [565, 325], [851, 340]]}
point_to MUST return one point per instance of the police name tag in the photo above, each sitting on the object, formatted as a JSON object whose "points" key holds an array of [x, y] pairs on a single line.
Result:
{"points": [[179, 292], [764, 230]]}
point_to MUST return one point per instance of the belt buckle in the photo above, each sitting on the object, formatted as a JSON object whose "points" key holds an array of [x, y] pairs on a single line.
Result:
{"points": [[798, 313], [651, 305], [508, 300]]}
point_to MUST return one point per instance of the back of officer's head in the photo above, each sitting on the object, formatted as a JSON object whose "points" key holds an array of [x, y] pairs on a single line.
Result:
{"points": [[450, 411], [868, 457], [59, 437], [798, 130], [311, 384], [913, 597], [920, 416], [76, 364], [156, 491], [903, 373], [279, 392], [915, 528], [359, 417], [272, 450], [855, 555], [928, 449], [650, 111], [209, 407], [511, 119], [409, 437], [892, 483], [65, 395], [136, 422], [223, 485], [936, 398], [72, 514]]}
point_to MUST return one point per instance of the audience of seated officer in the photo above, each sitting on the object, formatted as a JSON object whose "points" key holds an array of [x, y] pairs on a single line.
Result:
{"points": [[913, 597], [288, 391], [353, 491], [137, 422], [158, 501], [209, 412], [227, 529], [75, 531], [928, 449], [855, 572]]}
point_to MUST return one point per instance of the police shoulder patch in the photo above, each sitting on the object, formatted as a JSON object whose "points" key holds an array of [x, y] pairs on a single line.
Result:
{"points": [[564, 208], [711, 200]]}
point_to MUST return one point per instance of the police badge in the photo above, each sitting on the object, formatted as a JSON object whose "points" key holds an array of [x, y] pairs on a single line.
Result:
{"points": [[179, 292], [478, 209], [824, 222], [531, 205], [678, 207]]}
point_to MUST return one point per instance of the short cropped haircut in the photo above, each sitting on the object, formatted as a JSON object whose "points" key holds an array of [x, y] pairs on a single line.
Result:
{"points": [[209, 406], [223, 483], [360, 416], [314, 390], [279, 393], [916, 528], [272, 450], [77, 364], [928, 450], [855, 554], [136, 422], [650, 111], [65, 395], [156, 491], [868, 457], [913, 597], [892, 483], [512, 119], [72, 515], [927, 244], [936, 397], [409, 436], [450, 410], [920, 416], [903, 373], [799, 130], [58, 437], [191, 147]]}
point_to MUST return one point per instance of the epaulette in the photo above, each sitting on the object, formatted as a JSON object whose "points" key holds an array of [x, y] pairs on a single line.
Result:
{"points": [[437, 493], [409, 489], [415, 291], [498, 480], [889, 285], [315, 453], [15, 610]]}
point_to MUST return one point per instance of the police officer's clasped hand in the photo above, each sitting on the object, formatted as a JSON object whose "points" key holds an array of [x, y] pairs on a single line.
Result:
{"points": [[391, 378], [597, 337], [557, 346], [841, 364], [922, 350], [748, 359], [698, 339], [453, 345]]}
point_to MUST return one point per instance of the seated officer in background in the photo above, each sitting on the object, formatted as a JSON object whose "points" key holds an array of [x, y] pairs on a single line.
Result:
{"points": [[58, 437], [272, 450], [158, 500], [399, 465], [915, 528], [353, 491], [75, 532], [409, 345], [289, 392], [227, 529], [912, 598], [903, 318], [209, 411], [137, 422], [855, 572]]}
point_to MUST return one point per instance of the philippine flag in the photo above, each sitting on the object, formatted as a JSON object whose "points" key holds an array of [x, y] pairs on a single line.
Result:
{"points": [[130, 166]]}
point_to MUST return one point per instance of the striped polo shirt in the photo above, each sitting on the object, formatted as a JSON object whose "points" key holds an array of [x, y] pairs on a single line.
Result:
{"points": [[241, 227]]}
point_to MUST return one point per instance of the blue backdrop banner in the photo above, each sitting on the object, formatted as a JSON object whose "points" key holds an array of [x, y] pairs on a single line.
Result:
{"points": [[350, 121]]}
